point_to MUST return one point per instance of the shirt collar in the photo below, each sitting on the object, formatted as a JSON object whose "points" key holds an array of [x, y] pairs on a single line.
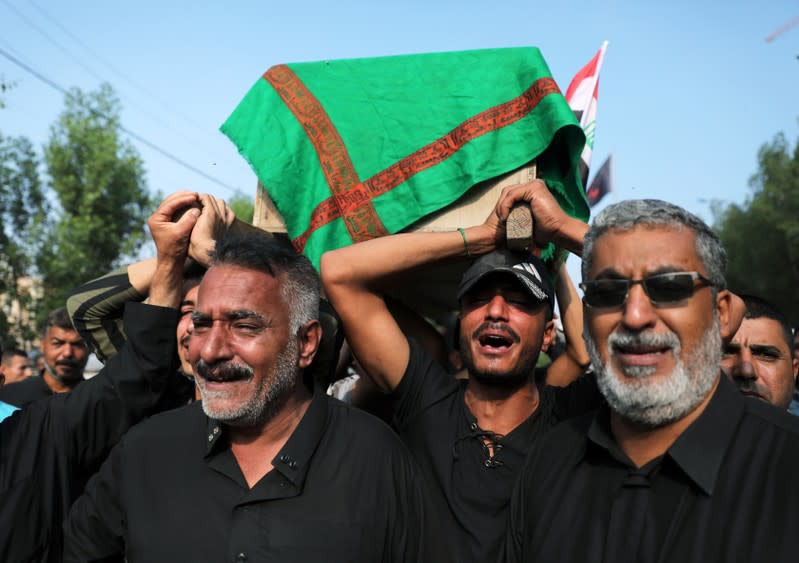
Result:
{"points": [[700, 449], [294, 458]]}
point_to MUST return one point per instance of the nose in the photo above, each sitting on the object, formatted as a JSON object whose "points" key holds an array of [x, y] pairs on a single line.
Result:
{"points": [[497, 308], [638, 313], [213, 343], [743, 368]]}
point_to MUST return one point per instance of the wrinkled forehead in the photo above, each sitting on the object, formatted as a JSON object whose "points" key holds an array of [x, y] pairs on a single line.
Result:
{"points": [[232, 288], [645, 250]]}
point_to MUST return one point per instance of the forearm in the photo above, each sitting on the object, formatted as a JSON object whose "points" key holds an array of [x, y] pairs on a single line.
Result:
{"points": [[375, 262], [571, 235], [96, 309], [571, 311]]}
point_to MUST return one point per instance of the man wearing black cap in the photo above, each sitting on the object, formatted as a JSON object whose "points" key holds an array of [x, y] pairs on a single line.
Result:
{"points": [[469, 438]]}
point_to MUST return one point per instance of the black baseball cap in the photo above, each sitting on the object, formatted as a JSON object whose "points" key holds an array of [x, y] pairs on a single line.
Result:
{"points": [[529, 270]]}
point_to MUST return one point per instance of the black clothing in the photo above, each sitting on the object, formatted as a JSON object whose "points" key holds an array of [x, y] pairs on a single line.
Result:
{"points": [[49, 449], [343, 488], [22, 393], [471, 490], [726, 490]]}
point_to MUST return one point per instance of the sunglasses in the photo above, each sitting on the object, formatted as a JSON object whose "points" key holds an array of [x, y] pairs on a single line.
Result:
{"points": [[662, 289]]}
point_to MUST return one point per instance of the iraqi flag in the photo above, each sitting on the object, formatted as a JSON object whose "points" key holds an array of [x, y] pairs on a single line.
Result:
{"points": [[602, 183], [582, 98]]}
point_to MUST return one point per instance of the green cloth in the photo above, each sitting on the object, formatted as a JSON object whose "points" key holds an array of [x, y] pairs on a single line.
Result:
{"points": [[382, 110]]}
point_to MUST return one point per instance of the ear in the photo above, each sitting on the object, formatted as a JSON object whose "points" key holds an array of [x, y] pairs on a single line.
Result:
{"points": [[549, 335], [731, 310], [795, 369], [310, 335]]}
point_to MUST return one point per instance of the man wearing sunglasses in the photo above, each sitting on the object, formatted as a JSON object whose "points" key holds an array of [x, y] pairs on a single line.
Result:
{"points": [[677, 466]]}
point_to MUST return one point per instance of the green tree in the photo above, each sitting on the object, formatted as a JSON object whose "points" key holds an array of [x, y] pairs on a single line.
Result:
{"points": [[762, 235], [98, 181], [23, 209], [243, 207]]}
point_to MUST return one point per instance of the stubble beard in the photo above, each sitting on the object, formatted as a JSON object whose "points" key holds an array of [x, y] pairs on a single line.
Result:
{"points": [[656, 403], [266, 399], [521, 374]]}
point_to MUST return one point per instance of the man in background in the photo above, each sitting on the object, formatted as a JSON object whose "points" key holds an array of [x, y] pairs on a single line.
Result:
{"points": [[15, 365], [760, 358], [65, 354]]}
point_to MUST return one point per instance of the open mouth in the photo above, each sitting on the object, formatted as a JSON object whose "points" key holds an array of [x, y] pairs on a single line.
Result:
{"points": [[495, 341], [638, 354]]}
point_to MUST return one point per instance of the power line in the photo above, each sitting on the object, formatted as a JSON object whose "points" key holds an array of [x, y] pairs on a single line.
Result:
{"points": [[130, 133], [114, 69], [88, 69]]}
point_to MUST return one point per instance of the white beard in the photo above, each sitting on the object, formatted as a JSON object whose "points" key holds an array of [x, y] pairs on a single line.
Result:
{"points": [[635, 397]]}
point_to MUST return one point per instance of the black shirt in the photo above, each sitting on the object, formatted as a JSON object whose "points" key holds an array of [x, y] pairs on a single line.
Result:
{"points": [[22, 393], [49, 449], [343, 488], [470, 490], [726, 490]]}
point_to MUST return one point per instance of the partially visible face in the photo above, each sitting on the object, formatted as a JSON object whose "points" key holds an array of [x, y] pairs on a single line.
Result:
{"points": [[187, 306], [760, 363], [654, 365], [245, 361], [502, 330], [18, 368], [65, 353]]}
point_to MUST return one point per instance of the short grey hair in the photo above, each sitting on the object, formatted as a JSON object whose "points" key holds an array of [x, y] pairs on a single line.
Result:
{"points": [[626, 215], [275, 256]]}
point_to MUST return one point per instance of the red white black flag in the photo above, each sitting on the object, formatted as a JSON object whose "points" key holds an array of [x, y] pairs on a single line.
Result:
{"points": [[582, 97]]}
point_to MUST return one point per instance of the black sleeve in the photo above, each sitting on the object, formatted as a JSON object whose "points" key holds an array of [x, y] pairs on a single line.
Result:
{"points": [[425, 382], [95, 529], [51, 447], [128, 388], [580, 397]]}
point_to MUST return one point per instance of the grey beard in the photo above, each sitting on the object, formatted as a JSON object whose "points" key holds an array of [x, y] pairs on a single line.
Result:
{"points": [[653, 404], [268, 396]]}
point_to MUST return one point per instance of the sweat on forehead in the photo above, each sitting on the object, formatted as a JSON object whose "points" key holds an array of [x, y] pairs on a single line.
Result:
{"points": [[629, 214]]}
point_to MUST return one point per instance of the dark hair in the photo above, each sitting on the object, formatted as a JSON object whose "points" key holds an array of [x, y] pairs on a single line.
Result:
{"points": [[757, 308], [58, 318], [6, 355], [276, 257]]}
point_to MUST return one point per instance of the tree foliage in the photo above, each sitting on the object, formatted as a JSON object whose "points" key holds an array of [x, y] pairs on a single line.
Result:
{"points": [[243, 207], [762, 235], [98, 182], [23, 209]]}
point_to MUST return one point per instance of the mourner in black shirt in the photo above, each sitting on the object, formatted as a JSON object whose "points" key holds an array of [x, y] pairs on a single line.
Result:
{"points": [[470, 441], [678, 466], [271, 470], [51, 447]]}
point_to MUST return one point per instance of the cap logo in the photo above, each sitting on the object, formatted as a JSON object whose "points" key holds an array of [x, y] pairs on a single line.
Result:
{"points": [[527, 267]]}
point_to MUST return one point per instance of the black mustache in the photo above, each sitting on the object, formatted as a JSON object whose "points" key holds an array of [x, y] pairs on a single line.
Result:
{"points": [[502, 327], [223, 372]]}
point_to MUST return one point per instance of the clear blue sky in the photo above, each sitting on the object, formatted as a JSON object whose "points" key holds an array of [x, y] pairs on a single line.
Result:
{"points": [[689, 90]]}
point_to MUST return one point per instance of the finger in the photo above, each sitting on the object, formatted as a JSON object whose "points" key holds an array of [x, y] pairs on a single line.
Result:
{"points": [[174, 203]]}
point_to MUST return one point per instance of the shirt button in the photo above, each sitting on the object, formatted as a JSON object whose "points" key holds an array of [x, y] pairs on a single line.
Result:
{"points": [[293, 464], [473, 426], [487, 463], [210, 437], [283, 458], [241, 557]]}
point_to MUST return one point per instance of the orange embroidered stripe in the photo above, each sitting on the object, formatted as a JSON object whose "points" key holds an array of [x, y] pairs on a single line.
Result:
{"points": [[360, 217]]}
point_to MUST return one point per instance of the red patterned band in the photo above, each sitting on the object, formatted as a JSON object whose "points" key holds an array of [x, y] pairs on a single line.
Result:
{"points": [[361, 219], [351, 198]]}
